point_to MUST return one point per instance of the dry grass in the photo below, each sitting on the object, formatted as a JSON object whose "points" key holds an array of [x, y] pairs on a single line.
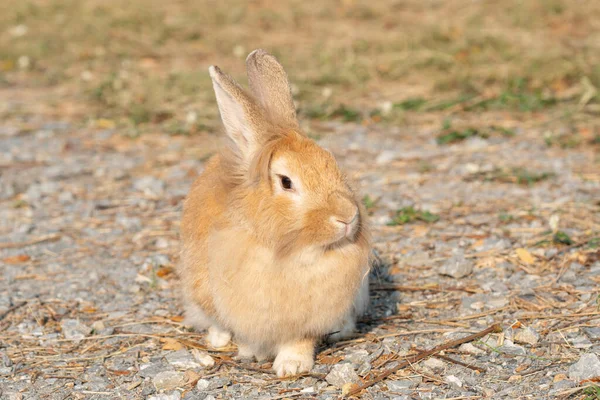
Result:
{"points": [[142, 64]]}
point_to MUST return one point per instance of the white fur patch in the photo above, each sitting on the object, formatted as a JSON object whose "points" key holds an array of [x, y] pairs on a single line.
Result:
{"points": [[292, 361], [217, 337]]}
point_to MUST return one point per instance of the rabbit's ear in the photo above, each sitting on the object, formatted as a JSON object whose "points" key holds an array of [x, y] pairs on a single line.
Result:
{"points": [[269, 85], [243, 119]]}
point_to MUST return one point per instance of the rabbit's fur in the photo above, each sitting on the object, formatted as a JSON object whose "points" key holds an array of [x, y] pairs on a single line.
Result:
{"points": [[275, 242]]}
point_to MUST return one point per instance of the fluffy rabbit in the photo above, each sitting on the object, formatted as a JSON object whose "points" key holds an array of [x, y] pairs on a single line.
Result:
{"points": [[275, 242]]}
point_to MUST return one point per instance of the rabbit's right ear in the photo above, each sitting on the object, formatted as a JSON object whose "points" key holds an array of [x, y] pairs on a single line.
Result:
{"points": [[270, 86], [243, 119]]}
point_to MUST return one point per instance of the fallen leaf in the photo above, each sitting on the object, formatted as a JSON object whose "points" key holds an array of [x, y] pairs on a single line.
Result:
{"points": [[521, 368], [559, 377], [430, 285], [477, 237], [590, 380], [118, 372], [171, 344], [191, 377], [515, 378], [105, 123], [348, 387], [525, 256], [164, 271], [224, 357], [31, 276], [516, 325], [330, 360], [21, 258], [177, 318]]}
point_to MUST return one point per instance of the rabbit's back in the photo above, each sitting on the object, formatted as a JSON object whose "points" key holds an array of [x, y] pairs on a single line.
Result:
{"points": [[204, 207]]}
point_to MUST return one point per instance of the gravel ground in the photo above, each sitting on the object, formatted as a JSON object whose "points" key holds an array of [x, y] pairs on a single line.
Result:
{"points": [[501, 230]]}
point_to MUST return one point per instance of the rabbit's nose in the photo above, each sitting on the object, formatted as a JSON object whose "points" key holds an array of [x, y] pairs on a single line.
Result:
{"points": [[349, 224], [350, 221]]}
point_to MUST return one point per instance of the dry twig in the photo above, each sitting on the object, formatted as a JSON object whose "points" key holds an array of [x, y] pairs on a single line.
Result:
{"points": [[452, 360], [453, 343], [42, 239], [11, 309], [436, 289]]}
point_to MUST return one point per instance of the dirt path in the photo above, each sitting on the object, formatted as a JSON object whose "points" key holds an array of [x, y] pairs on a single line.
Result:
{"points": [[502, 228]]}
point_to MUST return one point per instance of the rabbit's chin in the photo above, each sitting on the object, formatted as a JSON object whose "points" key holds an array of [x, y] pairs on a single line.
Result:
{"points": [[340, 241], [309, 254]]}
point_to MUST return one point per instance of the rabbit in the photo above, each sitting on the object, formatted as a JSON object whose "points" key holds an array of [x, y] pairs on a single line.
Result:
{"points": [[275, 243]]}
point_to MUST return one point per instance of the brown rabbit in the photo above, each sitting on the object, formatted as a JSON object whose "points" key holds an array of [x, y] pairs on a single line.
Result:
{"points": [[275, 242]]}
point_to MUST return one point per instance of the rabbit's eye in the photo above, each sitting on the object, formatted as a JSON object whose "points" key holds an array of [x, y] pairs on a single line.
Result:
{"points": [[286, 183]]}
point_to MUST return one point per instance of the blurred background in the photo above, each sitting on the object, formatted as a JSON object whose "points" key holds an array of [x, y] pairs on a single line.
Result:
{"points": [[141, 65]]}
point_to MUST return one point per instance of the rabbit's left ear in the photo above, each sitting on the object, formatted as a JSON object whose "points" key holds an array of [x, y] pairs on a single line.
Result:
{"points": [[244, 121], [271, 89]]}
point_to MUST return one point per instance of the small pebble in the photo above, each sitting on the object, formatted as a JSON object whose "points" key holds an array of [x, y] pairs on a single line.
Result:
{"points": [[173, 396], [342, 374], [513, 349], [203, 384], [471, 349], [203, 358], [168, 380], [434, 363], [402, 384], [74, 329], [454, 381], [457, 266], [527, 335], [587, 367], [182, 359]]}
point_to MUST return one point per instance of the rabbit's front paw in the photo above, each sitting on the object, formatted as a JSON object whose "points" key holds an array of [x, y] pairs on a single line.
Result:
{"points": [[217, 337], [294, 359]]}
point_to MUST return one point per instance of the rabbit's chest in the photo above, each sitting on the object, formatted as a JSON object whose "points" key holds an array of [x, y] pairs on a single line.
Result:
{"points": [[271, 285], [253, 289]]}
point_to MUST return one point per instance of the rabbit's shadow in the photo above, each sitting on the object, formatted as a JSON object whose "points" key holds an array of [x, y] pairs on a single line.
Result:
{"points": [[382, 303]]}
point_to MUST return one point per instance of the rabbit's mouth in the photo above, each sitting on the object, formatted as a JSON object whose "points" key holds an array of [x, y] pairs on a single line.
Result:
{"points": [[346, 227]]}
